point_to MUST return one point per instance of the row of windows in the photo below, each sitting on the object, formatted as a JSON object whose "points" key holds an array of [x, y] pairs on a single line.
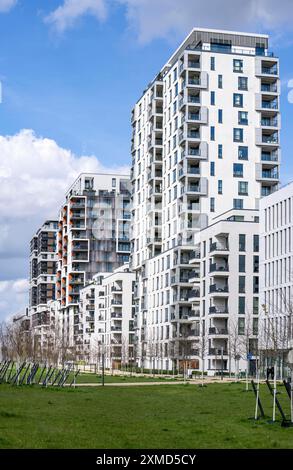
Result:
{"points": [[238, 134], [278, 243], [278, 214], [278, 272]]}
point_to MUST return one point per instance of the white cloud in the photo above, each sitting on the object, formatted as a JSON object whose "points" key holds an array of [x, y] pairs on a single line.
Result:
{"points": [[34, 175], [67, 14], [6, 5], [152, 19], [13, 297]]}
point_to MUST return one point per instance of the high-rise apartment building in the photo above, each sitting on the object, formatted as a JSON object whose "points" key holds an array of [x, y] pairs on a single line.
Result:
{"points": [[43, 266], [276, 276], [205, 141], [93, 237]]}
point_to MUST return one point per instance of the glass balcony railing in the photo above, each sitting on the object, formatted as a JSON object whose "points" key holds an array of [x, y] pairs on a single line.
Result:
{"points": [[270, 174], [269, 157], [269, 88], [269, 70], [266, 122], [270, 139]]}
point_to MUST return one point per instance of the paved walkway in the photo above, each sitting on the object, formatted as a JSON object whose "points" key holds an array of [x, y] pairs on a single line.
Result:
{"points": [[161, 382]]}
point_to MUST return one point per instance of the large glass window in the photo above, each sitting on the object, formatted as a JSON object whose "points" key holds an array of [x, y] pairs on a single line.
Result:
{"points": [[242, 83], [242, 242], [238, 100], [238, 135], [242, 263], [238, 170], [241, 305], [237, 65], [243, 188], [242, 152]]}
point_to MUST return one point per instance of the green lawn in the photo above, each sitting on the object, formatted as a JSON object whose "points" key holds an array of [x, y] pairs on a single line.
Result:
{"points": [[174, 416]]}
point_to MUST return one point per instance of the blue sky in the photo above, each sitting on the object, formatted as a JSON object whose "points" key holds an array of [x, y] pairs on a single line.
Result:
{"points": [[71, 71]]}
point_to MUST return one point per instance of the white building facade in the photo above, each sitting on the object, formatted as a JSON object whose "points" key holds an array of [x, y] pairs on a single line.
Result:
{"points": [[112, 331], [276, 274], [205, 140]]}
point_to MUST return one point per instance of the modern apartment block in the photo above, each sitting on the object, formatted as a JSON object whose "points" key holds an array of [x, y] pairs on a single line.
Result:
{"points": [[225, 295], [43, 266], [93, 237], [205, 141], [276, 274], [114, 334]]}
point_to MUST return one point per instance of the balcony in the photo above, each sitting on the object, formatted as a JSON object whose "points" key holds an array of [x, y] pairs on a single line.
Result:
{"points": [[218, 289], [218, 331], [196, 116], [219, 268], [266, 139], [194, 295], [269, 88], [213, 310], [216, 246], [189, 172], [269, 122], [272, 70], [269, 157], [218, 352]]}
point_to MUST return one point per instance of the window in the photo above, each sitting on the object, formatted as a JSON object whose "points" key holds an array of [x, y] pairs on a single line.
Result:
{"points": [[212, 169], [113, 182], [238, 170], [220, 116], [174, 75], [242, 83], [213, 63], [212, 204], [220, 81], [241, 305], [237, 135], [242, 241], [243, 118], [220, 151], [255, 285], [220, 187], [212, 133], [241, 284], [255, 264], [243, 188], [237, 203], [213, 98], [237, 65], [255, 326], [176, 89], [255, 305], [237, 100], [241, 326], [242, 263], [242, 153], [256, 243]]}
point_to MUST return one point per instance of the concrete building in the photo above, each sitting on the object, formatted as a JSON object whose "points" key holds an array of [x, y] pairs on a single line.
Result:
{"points": [[43, 266], [225, 295], [276, 275], [112, 332], [93, 237], [205, 140]]}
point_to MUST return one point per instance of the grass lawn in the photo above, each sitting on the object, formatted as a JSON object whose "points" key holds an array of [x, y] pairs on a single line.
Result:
{"points": [[175, 416]]}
